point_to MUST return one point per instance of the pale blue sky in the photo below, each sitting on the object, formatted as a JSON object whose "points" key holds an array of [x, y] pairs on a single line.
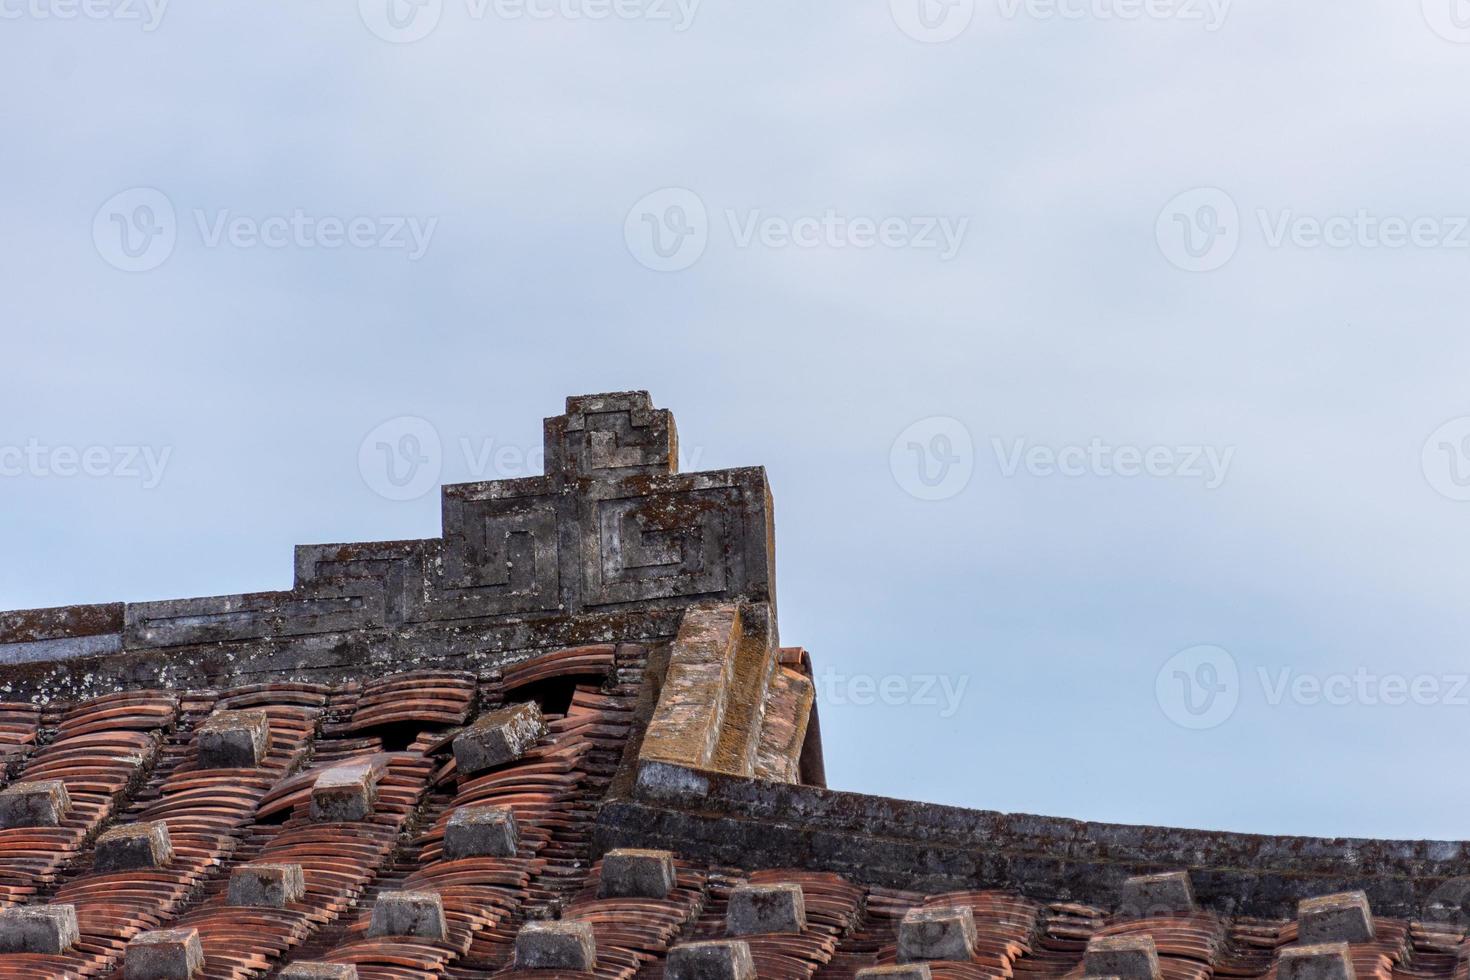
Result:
{"points": [[1066, 156]]}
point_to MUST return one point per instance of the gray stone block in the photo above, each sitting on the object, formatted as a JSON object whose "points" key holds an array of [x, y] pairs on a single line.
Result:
{"points": [[267, 885], [44, 803], [1322, 961], [632, 872], [1162, 894], [1341, 918], [481, 831], [134, 847], [345, 793], [901, 971], [937, 934], [417, 914], [756, 909], [727, 959], [556, 946], [1125, 957], [499, 737], [319, 971], [234, 740], [166, 954], [38, 929]]}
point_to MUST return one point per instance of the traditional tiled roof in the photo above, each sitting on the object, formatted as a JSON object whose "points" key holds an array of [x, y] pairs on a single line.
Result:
{"points": [[564, 740]]}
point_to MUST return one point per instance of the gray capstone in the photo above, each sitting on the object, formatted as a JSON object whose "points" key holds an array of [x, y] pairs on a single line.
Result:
{"points": [[43, 803], [417, 914], [234, 740], [1341, 918], [632, 872], [481, 831], [562, 945], [727, 959], [1126, 957], [756, 909], [319, 971], [937, 934], [901, 971], [38, 929], [267, 885], [345, 793], [167, 954], [1320, 961], [1161, 894], [134, 847], [499, 737]]}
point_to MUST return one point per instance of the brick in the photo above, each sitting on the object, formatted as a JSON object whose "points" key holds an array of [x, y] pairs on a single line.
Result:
{"points": [[1321, 961], [1161, 894], [267, 885], [1341, 918], [345, 793], [167, 954], [937, 934], [556, 946], [319, 971], [38, 929], [234, 740], [134, 847], [728, 959], [417, 914], [632, 872], [481, 831], [1125, 957], [499, 737], [44, 803], [901, 971], [756, 909]]}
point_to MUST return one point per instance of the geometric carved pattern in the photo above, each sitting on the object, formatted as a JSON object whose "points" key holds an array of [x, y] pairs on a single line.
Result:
{"points": [[657, 546], [619, 434]]}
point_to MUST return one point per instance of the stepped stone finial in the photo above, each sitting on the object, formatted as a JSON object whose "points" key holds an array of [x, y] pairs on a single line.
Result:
{"points": [[611, 435]]}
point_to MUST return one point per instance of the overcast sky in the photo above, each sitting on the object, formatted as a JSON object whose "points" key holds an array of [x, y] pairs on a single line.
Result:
{"points": [[1108, 357]]}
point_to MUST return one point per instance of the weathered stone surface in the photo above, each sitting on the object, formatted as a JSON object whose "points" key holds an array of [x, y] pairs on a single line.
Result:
{"points": [[134, 847], [345, 793], [563, 945], [1125, 957], [901, 971], [234, 740], [267, 885], [38, 929], [1322, 961], [418, 914], [937, 934], [319, 971], [43, 803], [728, 959], [481, 831], [166, 954], [686, 725], [498, 737], [1340, 918], [1160, 894], [633, 872], [756, 909]]}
